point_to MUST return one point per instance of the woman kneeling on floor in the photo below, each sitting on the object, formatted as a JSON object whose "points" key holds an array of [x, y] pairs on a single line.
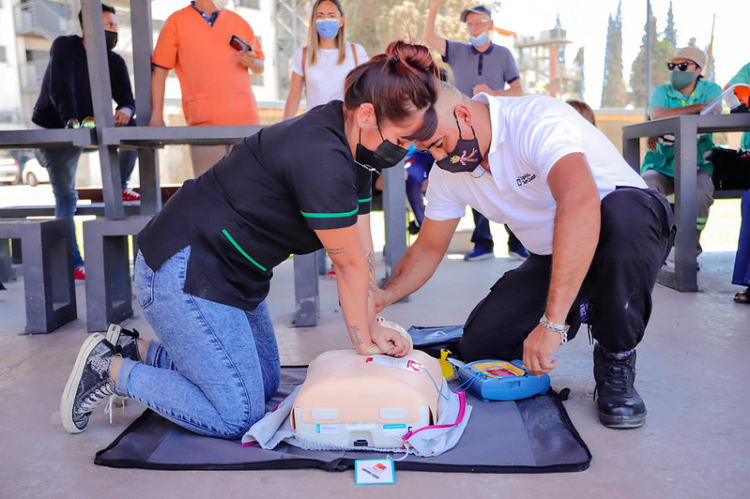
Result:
{"points": [[205, 262]]}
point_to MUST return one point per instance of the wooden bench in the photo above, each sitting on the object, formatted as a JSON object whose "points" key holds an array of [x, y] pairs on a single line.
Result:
{"points": [[47, 256], [93, 209], [108, 279], [95, 195]]}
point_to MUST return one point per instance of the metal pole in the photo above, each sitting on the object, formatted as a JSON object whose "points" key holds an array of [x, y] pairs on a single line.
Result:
{"points": [[648, 54], [101, 97], [295, 27], [147, 158]]}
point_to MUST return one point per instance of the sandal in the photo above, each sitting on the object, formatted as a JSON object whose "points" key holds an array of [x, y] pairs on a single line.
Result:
{"points": [[743, 297]]}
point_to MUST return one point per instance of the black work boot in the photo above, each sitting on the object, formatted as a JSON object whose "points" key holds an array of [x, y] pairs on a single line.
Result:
{"points": [[620, 406]]}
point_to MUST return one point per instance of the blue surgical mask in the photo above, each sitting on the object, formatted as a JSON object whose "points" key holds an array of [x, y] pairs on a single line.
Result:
{"points": [[327, 28], [480, 40]]}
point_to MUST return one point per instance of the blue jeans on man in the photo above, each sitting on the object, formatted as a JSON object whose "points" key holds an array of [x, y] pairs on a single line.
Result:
{"points": [[741, 274], [483, 243], [419, 166], [62, 165]]}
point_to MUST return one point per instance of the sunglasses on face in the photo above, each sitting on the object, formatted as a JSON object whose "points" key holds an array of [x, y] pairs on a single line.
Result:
{"points": [[682, 66]]}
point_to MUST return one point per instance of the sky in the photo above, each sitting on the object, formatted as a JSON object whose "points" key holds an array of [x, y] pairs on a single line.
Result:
{"points": [[585, 22]]}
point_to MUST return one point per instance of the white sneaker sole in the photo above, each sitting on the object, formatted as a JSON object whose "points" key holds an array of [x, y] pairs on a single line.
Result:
{"points": [[69, 393]]}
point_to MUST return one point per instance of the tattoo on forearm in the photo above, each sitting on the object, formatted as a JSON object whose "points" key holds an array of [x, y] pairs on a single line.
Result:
{"points": [[355, 330], [370, 261], [335, 251]]}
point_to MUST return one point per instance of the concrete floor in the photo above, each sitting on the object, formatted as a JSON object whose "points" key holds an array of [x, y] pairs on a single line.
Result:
{"points": [[691, 372]]}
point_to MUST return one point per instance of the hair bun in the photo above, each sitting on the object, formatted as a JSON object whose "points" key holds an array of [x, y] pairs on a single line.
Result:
{"points": [[406, 58]]}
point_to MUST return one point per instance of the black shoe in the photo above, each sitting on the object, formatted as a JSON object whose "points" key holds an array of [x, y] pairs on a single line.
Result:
{"points": [[89, 384], [620, 406], [125, 339]]}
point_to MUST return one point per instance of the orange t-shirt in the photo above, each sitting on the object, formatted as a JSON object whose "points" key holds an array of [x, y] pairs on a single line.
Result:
{"points": [[215, 87]]}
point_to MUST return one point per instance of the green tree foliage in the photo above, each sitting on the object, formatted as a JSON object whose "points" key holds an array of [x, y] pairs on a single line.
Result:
{"points": [[614, 93], [661, 50], [670, 32], [561, 50], [579, 87]]}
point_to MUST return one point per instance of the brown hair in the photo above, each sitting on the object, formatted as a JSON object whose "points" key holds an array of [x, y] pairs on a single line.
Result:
{"points": [[584, 110], [398, 83], [313, 39]]}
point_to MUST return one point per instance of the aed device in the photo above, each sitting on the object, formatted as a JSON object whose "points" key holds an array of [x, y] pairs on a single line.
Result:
{"points": [[501, 380], [239, 44], [352, 400]]}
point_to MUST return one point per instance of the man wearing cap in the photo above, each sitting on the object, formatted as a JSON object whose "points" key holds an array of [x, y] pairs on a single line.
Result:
{"points": [[686, 93], [479, 66]]}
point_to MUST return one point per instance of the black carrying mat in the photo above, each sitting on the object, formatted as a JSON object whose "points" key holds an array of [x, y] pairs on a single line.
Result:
{"points": [[533, 435]]}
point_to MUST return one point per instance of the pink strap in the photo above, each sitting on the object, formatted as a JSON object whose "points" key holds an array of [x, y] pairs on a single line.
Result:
{"points": [[459, 418]]}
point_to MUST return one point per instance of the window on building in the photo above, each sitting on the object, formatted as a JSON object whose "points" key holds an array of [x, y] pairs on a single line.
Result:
{"points": [[251, 4], [3, 54], [37, 55]]}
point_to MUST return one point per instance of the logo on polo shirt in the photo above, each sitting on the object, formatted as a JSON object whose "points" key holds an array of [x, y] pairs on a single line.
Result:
{"points": [[525, 178]]}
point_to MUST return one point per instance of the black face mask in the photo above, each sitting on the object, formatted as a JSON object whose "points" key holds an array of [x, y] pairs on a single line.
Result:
{"points": [[386, 155], [111, 37], [465, 156]]}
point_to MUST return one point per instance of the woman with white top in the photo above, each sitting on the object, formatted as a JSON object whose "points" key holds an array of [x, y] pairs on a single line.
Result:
{"points": [[323, 64]]}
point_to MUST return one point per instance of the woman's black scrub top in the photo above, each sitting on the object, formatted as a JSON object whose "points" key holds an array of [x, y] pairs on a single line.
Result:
{"points": [[260, 204]]}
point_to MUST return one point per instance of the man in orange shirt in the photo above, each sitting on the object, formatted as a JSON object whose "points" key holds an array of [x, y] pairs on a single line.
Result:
{"points": [[215, 83]]}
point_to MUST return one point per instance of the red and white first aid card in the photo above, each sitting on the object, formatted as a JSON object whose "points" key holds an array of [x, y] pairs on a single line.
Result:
{"points": [[374, 472]]}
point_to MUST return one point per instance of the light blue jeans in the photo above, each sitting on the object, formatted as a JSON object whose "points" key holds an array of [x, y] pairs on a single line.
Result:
{"points": [[212, 368], [61, 164], [741, 274]]}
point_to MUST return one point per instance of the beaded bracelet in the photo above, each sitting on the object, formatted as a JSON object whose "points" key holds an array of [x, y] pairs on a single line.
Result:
{"points": [[557, 328]]}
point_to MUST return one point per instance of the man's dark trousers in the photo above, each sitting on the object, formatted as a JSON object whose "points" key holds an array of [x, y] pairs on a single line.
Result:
{"points": [[637, 232]]}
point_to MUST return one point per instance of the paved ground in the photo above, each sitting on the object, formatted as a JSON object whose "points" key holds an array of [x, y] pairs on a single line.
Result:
{"points": [[692, 369]]}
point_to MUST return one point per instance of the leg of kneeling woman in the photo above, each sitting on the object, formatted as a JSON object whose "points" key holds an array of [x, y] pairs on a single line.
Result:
{"points": [[225, 360]]}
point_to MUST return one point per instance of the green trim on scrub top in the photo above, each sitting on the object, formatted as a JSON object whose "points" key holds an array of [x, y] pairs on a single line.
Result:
{"points": [[261, 267], [365, 200], [330, 215]]}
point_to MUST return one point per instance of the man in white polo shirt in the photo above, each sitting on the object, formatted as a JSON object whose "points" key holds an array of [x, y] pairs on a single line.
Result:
{"points": [[534, 163]]}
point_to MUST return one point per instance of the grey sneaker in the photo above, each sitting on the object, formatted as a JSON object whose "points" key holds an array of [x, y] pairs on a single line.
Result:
{"points": [[125, 339], [89, 384]]}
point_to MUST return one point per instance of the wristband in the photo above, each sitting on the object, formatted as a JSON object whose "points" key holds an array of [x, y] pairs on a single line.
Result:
{"points": [[562, 329]]}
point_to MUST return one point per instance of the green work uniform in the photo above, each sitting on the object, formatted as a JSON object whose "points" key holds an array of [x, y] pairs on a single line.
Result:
{"points": [[667, 97], [743, 76]]}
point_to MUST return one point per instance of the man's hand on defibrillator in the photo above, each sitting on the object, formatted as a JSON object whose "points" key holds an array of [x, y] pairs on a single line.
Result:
{"points": [[121, 119], [247, 58], [537, 349]]}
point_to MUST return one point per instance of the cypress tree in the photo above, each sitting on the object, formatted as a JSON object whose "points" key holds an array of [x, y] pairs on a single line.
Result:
{"points": [[614, 93]]}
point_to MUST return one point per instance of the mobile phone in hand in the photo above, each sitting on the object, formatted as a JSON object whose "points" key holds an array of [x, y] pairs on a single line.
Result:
{"points": [[239, 44]]}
